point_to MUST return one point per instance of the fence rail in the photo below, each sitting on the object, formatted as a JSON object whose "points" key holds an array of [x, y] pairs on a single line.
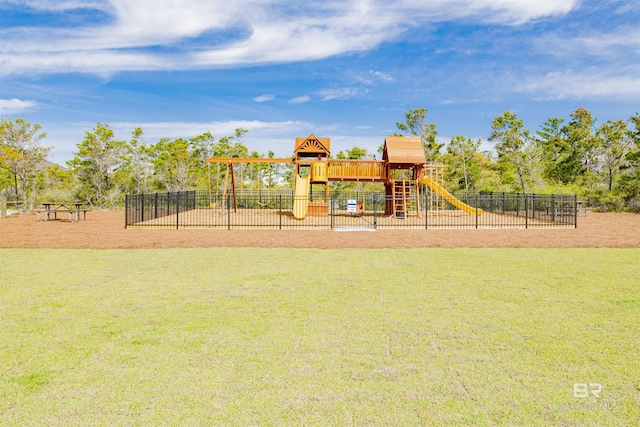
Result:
{"points": [[8, 206], [269, 209]]}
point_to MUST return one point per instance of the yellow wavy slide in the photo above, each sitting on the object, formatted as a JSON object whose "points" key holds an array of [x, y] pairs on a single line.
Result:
{"points": [[440, 191], [301, 197]]}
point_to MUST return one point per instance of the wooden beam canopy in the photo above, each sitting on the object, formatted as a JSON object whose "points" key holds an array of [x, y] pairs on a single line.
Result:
{"points": [[234, 160]]}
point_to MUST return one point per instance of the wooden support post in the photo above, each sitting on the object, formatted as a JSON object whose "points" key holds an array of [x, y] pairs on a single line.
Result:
{"points": [[233, 189], [226, 178], [228, 172]]}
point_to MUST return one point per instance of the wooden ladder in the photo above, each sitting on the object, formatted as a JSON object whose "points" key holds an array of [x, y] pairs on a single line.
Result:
{"points": [[405, 198]]}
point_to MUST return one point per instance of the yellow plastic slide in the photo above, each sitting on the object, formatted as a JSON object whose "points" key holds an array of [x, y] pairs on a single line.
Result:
{"points": [[301, 197], [437, 188]]}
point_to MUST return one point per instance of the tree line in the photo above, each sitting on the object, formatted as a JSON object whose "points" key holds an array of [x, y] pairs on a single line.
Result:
{"points": [[573, 155], [104, 169]]}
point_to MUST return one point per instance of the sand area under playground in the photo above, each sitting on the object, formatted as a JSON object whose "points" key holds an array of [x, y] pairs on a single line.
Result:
{"points": [[105, 229]]}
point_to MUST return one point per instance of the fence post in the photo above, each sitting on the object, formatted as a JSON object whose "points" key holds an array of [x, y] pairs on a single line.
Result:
{"points": [[155, 207], [228, 212], [375, 211], [333, 198], [280, 206], [526, 212], [126, 209], [177, 210], [575, 208], [533, 206], [426, 210], [476, 210], [142, 210]]}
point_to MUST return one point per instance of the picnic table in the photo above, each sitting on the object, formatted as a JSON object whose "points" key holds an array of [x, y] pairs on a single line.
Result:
{"points": [[568, 209], [581, 207], [72, 209]]}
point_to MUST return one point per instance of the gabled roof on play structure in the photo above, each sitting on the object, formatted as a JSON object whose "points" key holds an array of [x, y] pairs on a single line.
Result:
{"points": [[313, 146], [404, 150]]}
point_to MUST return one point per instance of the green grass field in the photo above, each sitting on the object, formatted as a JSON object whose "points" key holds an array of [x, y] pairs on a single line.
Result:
{"points": [[320, 337]]}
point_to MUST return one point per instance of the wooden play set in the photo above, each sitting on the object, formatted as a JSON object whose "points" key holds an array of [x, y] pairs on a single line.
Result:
{"points": [[402, 169]]}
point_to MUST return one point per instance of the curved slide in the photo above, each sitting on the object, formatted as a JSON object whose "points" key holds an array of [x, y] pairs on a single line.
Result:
{"points": [[440, 191], [301, 197]]}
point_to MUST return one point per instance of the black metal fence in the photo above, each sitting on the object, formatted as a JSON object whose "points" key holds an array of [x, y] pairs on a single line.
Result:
{"points": [[164, 207], [275, 210]]}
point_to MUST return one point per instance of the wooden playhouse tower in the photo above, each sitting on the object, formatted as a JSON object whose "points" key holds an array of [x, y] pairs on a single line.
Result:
{"points": [[312, 153], [406, 163]]}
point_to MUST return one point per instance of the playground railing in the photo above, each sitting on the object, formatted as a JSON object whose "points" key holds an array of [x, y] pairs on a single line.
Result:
{"points": [[274, 210], [357, 169]]}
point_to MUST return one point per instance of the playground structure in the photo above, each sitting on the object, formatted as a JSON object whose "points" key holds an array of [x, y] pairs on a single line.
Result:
{"points": [[402, 170]]}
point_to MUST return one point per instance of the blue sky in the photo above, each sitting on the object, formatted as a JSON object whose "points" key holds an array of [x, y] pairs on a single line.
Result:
{"points": [[345, 69]]}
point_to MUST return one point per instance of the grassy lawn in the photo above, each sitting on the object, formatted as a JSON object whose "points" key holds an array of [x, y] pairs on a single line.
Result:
{"points": [[320, 337]]}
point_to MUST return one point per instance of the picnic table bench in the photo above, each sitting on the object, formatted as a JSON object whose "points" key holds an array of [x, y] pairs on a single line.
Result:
{"points": [[72, 209]]}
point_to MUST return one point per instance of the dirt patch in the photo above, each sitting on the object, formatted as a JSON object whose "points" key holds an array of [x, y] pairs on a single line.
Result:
{"points": [[105, 229]]}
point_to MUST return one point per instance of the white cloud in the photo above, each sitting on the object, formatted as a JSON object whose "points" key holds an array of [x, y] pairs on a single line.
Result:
{"points": [[583, 85], [198, 34], [300, 99], [11, 106], [602, 44], [621, 41], [339, 93], [451, 101], [264, 98], [375, 76], [53, 5], [189, 129], [382, 76], [519, 12], [597, 65], [510, 12]]}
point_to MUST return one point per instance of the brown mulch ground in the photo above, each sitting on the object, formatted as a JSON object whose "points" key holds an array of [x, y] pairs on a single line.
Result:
{"points": [[105, 229]]}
